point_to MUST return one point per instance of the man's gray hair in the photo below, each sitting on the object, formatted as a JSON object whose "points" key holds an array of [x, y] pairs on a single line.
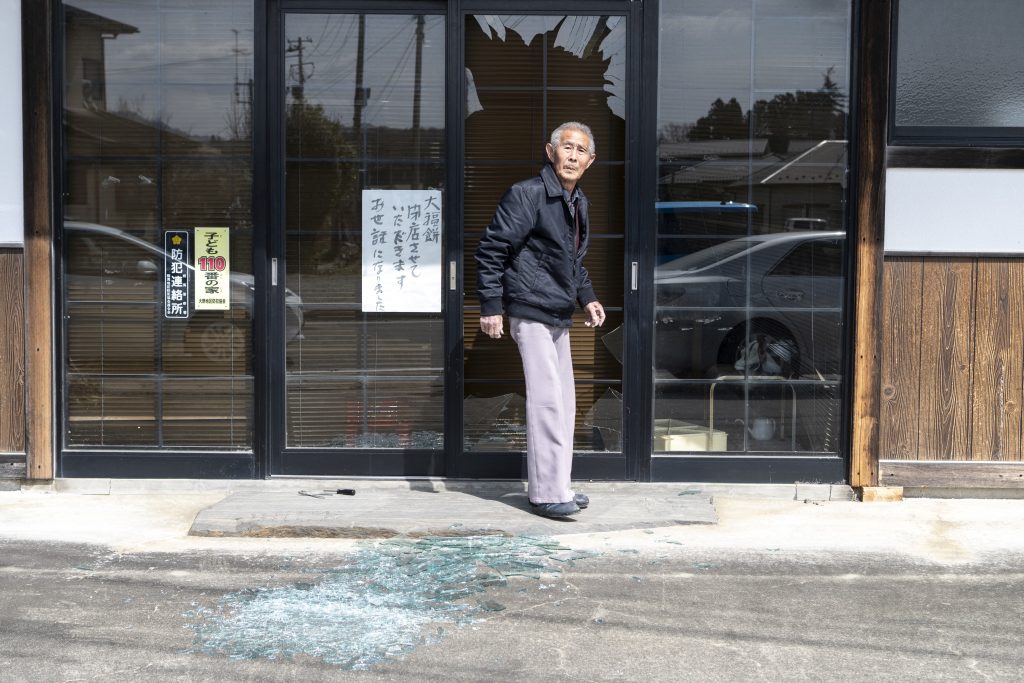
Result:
{"points": [[556, 134]]}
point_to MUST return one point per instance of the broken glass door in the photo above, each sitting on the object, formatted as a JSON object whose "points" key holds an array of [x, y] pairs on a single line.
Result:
{"points": [[525, 75]]}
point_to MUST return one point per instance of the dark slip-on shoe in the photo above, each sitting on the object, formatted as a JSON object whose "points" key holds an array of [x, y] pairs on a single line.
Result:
{"points": [[554, 510]]}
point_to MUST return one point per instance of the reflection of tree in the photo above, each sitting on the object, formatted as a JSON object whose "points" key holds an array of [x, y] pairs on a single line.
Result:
{"points": [[724, 121], [326, 201], [674, 132], [802, 115]]}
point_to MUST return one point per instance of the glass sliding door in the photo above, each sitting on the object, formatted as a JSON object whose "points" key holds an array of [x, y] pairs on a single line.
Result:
{"points": [[359, 314], [157, 147], [751, 242], [525, 75]]}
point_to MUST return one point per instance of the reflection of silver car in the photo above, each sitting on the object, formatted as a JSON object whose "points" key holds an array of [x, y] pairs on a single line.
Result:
{"points": [[764, 304], [128, 268]]}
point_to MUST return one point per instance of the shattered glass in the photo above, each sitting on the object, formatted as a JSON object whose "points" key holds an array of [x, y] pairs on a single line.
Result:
{"points": [[426, 440], [390, 598]]}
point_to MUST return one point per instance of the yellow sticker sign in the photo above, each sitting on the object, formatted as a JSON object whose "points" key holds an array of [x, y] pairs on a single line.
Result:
{"points": [[213, 269]]}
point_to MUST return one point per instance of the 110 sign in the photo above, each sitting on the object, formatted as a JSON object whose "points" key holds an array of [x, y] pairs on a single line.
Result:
{"points": [[212, 263]]}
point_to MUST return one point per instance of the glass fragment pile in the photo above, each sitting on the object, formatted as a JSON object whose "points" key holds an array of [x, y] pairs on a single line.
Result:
{"points": [[390, 598]]}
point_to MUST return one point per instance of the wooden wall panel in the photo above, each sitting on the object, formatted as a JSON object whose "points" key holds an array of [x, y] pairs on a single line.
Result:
{"points": [[953, 362], [901, 359], [12, 352], [999, 340], [946, 354], [953, 475]]}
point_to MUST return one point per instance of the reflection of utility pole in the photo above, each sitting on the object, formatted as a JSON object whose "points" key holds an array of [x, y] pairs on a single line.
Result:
{"points": [[416, 96], [359, 103], [361, 97], [241, 105], [297, 72]]}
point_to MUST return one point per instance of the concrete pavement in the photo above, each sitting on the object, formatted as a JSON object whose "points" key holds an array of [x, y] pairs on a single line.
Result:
{"points": [[424, 510], [102, 581], [145, 515]]}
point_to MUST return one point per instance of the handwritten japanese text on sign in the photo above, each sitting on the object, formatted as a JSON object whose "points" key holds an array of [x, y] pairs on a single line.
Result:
{"points": [[177, 275], [213, 269], [402, 251]]}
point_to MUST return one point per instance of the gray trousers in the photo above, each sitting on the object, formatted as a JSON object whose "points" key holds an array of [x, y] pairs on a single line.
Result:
{"points": [[550, 408]]}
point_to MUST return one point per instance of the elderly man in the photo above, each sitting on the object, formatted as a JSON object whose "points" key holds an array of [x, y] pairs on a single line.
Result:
{"points": [[530, 261]]}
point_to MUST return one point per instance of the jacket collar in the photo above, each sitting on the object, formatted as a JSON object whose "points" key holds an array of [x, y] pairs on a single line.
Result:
{"points": [[554, 189], [551, 182]]}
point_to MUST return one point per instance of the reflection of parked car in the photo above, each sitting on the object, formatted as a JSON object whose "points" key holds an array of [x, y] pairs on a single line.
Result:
{"points": [[109, 264], [764, 304], [804, 223], [688, 226]]}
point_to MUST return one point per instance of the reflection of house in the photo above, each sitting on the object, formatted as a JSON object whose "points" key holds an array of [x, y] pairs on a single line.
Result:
{"points": [[127, 191], [810, 185], [807, 180], [118, 158], [85, 75]]}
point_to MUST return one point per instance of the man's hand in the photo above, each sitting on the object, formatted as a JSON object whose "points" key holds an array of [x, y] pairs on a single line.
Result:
{"points": [[595, 314], [491, 325]]}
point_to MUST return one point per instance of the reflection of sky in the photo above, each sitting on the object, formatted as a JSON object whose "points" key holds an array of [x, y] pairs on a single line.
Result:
{"points": [[389, 68], [747, 49], [181, 65], [188, 50]]}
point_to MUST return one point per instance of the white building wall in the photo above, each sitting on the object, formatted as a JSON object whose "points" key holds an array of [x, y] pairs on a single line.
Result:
{"points": [[12, 209]]}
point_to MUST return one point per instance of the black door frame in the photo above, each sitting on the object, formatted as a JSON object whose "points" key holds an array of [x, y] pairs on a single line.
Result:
{"points": [[595, 465], [315, 461], [269, 169]]}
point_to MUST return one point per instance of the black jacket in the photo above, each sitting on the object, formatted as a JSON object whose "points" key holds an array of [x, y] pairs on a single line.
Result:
{"points": [[525, 259]]}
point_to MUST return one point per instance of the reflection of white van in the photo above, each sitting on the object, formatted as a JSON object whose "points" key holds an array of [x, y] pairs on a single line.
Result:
{"points": [[803, 223]]}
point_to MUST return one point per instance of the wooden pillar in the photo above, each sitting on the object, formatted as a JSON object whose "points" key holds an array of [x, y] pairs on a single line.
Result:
{"points": [[874, 17], [37, 107]]}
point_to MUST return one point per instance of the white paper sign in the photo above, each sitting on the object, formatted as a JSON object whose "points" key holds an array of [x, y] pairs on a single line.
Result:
{"points": [[402, 251]]}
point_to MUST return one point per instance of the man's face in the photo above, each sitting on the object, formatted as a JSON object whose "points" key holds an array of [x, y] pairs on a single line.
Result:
{"points": [[571, 157]]}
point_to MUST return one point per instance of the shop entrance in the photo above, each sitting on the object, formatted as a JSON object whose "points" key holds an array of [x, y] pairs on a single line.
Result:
{"points": [[398, 131], [270, 210]]}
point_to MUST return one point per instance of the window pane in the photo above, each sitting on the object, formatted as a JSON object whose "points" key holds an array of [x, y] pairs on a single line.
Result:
{"points": [[958, 63], [748, 319], [330, 412], [352, 122], [157, 119]]}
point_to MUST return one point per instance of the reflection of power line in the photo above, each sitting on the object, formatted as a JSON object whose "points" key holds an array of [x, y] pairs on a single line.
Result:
{"points": [[320, 40], [333, 47], [351, 66], [388, 87]]}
